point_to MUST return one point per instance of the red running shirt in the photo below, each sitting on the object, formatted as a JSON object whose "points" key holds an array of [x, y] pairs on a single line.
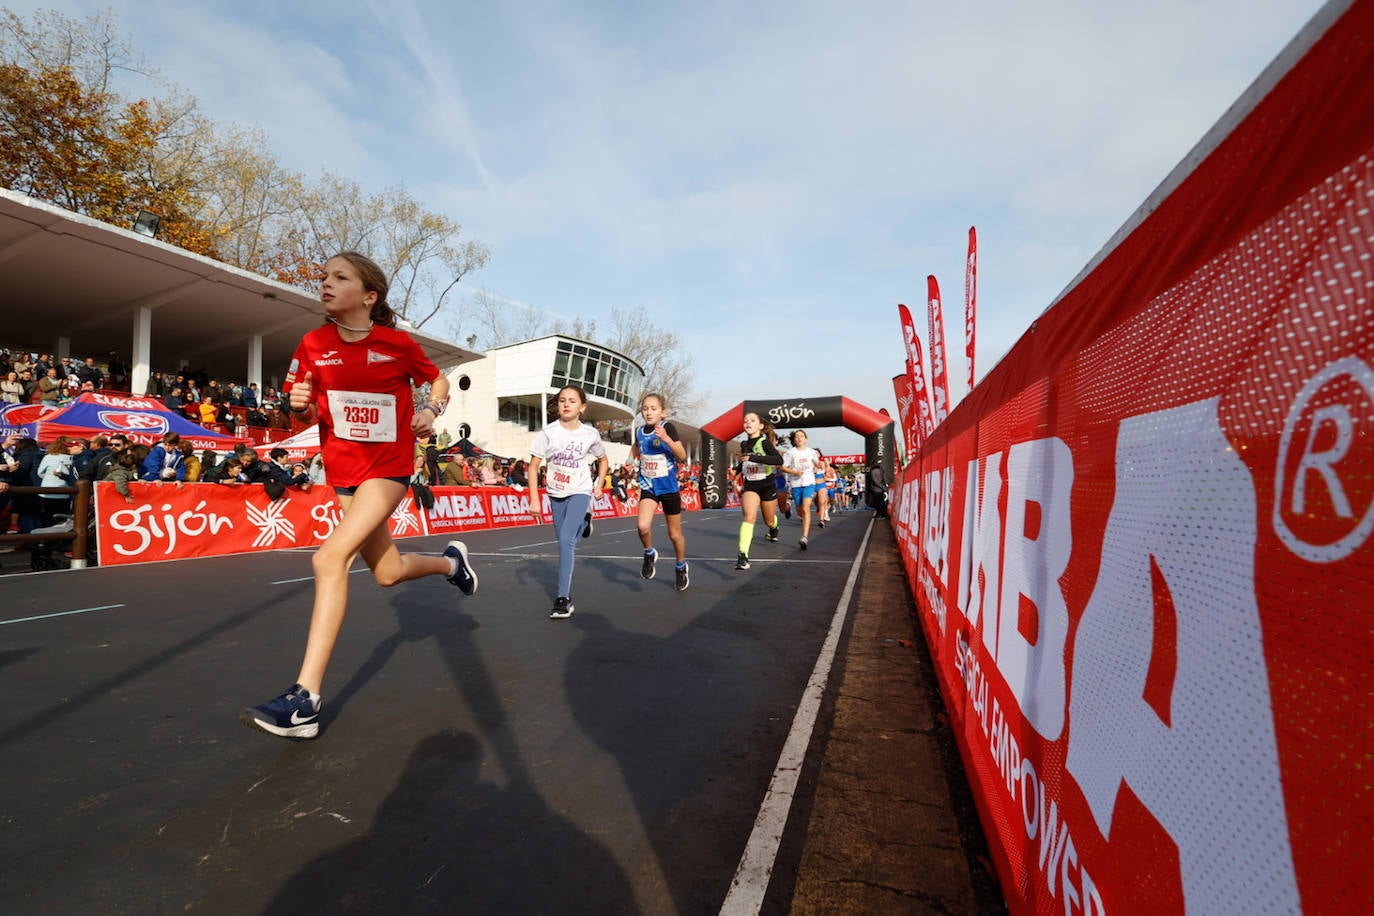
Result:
{"points": [[363, 395]]}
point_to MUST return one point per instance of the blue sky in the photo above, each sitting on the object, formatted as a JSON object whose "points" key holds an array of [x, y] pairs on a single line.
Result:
{"points": [[769, 179]]}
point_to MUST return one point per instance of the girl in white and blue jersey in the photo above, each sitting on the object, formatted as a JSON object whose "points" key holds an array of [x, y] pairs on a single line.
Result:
{"points": [[800, 464], [660, 451], [567, 446]]}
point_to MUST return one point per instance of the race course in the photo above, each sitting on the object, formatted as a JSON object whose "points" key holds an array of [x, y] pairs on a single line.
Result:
{"points": [[475, 756]]}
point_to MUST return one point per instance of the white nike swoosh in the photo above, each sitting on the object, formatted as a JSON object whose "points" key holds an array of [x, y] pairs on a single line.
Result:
{"points": [[299, 721]]}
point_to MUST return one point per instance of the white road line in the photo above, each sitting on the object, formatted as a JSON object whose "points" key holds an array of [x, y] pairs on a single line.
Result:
{"points": [[309, 578], [84, 610], [760, 853]]}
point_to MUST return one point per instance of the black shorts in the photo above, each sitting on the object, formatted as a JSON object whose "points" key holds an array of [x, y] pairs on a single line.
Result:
{"points": [[671, 502], [764, 488], [352, 491]]}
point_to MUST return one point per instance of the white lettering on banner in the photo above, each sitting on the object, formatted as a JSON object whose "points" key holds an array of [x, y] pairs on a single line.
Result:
{"points": [[1031, 657], [1057, 858], [934, 522], [456, 505], [1208, 769], [982, 548], [1016, 563], [1325, 464], [145, 526], [510, 504], [786, 413], [328, 515]]}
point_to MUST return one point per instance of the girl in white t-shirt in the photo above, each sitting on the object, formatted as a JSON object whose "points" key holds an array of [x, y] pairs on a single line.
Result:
{"points": [[800, 464], [564, 449]]}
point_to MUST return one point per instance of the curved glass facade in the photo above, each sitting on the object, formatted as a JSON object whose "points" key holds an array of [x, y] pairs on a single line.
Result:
{"points": [[599, 372]]}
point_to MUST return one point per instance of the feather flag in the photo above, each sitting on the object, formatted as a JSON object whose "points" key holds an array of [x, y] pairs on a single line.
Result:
{"points": [[970, 300], [916, 372], [939, 374], [906, 413]]}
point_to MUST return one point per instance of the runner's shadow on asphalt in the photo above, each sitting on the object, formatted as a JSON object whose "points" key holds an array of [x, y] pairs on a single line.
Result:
{"points": [[408, 863], [416, 622]]}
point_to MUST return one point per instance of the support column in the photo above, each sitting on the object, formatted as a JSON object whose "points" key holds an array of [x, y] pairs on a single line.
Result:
{"points": [[254, 361], [140, 369], [64, 348]]}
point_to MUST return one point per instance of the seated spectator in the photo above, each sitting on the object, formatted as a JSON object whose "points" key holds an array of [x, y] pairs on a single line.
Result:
{"points": [[454, 473], [207, 411], [487, 474], [190, 462], [73, 385], [30, 386], [165, 461], [519, 474], [250, 395], [90, 372], [255, 418], [11, 390], [173, 400], [229, 471], [50, 388], [22, 363], [277, 468]]}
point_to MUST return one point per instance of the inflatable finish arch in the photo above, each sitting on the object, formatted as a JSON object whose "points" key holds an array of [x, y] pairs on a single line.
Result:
{"points": [[875, 427]]}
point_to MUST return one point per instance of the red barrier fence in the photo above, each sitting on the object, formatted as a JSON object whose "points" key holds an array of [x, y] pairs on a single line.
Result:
{"points": [[169, 522], [1141, 547]]}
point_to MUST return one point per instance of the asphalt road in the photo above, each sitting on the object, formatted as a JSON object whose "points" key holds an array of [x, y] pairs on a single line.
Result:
{"points": [[475, 757]]}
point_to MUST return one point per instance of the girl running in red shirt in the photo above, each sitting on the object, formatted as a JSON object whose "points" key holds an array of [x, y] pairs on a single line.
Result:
{"points": [[357, 374]]}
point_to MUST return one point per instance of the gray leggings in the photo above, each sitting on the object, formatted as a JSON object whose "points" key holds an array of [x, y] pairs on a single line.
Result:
{"points": [[569, 515]]}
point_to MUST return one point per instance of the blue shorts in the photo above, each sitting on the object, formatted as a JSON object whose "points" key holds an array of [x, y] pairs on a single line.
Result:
{"points": [[806, 492]]}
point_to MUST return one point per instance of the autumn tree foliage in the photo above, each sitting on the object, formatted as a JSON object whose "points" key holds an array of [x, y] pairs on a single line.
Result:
{"points": [[68, 138]]}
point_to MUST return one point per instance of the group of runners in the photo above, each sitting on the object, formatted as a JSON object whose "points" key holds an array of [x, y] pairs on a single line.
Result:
{"points": [[357, 376]]}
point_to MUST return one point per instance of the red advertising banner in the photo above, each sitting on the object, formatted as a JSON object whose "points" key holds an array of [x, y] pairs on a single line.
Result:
{"points": [[939, 367], [916, 372], [906, 413], [971, 302], [169, 522], [1141, 547]]}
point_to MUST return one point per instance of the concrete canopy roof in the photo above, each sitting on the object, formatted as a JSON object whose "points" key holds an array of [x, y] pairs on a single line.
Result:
{"points": [[65, 275]]}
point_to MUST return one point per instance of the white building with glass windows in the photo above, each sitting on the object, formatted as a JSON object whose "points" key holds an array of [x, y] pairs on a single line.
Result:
{"points": [[500, 401]]}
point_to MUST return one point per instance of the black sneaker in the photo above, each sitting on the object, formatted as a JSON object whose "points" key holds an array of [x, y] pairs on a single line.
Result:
{"points": [[647, 570], [562, 607], [822, 523], [742, 562], [772, 534], [587, 525], [464, 578], [682, 578], [294, 714], [787, 513], [803, 543]]}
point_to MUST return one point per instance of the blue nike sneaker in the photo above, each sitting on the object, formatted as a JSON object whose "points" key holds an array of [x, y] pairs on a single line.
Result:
{"points": [[464, 578], [294, 714]]}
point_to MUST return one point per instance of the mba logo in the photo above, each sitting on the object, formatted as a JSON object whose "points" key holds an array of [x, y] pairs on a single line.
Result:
{"points": [[509, 504], [458, 506]]}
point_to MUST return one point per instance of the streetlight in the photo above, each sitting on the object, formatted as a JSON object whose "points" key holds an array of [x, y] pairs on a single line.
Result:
{"points": [[146, 223]]}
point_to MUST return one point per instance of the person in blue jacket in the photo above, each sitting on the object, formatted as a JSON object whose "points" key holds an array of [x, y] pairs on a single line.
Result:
{"points": [[165, 463]]}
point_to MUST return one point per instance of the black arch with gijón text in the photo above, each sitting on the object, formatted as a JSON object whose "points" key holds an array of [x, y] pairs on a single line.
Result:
{"points": [[875, 426]]}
